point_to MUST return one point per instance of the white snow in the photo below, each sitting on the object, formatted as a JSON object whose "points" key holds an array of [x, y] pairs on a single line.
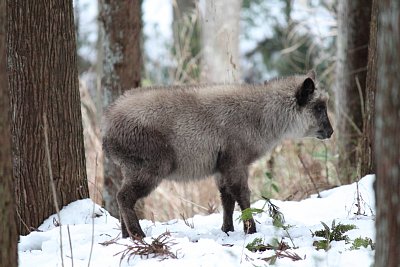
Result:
{"points": [[206, 244]]}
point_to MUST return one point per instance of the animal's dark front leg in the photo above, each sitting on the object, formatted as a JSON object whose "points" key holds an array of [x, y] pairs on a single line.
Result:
{"points": [[237, 183], [228, 204]]}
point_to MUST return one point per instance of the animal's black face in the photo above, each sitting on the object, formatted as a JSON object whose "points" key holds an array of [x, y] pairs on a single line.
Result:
{"points": [[313, 110], [324, 128]]}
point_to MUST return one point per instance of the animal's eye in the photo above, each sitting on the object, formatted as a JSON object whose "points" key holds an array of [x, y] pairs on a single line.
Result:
{"points": [[320, 107]]}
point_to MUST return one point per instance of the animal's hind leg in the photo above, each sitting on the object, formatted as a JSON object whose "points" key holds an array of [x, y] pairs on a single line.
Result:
{"points": [[136, 185], [144, 164]]}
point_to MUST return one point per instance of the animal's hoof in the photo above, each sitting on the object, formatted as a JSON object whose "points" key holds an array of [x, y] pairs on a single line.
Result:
{"points": [[125, 233], [227, 228], [250, 227], [138, 236], [135, 235]]}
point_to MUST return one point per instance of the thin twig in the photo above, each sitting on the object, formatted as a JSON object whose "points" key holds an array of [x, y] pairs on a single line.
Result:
{"points": [[243, 246], [290, 237], [97, 190], [352, 123], [193, 203], [185, 220], [53, 187], [326, 163], [309, 174], [360, 92], [159, 247], [70, 245], [111, 241], [358, 200], [23, 222], [91, 245]]}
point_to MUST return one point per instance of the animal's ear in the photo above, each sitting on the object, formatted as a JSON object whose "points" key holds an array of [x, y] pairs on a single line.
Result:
{"points": [[312, 74], [304, 93]]}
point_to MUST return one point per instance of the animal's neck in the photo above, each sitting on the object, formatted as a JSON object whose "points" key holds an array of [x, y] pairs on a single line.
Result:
{"points": [[277, 123]]}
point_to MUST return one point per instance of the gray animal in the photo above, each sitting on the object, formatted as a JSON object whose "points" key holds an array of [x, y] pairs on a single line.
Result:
{"points": [[190, 132]]}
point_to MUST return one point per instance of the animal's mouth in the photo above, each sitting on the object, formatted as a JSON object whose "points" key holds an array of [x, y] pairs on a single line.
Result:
{"points": [[321, 134]]}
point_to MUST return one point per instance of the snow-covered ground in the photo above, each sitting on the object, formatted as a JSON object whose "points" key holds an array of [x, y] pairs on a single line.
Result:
{"points": [[205, 244]]}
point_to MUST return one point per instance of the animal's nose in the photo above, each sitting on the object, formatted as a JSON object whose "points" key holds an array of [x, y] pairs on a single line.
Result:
{"points": [[330, 132]]}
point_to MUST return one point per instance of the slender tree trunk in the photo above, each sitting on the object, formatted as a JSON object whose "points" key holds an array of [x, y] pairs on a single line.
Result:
{"points": [[387, 136], [187, 43], [8, 227], [43, 80], [352, 46], [367, 146], [122, 67], [221, 41]]}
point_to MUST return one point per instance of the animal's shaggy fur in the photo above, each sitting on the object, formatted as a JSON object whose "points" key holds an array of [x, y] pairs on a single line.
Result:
{"points": [[190, 132]]}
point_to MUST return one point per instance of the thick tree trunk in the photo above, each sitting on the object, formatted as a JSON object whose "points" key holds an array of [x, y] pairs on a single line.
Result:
{"points": [[352, 46], [221, 41], [122, 67], [8, 227], [387, 137], [367, 145], [43, 80]]}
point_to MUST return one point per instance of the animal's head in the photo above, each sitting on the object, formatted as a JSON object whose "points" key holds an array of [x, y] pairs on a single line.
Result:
{"points": [[311, 106]]}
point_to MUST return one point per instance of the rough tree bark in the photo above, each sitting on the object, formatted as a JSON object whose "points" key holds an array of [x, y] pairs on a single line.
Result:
{"points": [[387, 141], [352, 47], [121, 21], [43, 80], [221, 41], [367, 145], [8, 228]]}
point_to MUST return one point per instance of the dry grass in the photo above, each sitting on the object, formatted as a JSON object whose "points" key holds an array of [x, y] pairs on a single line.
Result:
{"points": [[171, 200], [93, 151], [299, 169]]}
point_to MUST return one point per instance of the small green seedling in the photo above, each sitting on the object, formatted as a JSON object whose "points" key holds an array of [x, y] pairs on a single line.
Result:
{"points": [[281, 250], [333, 233], [256, 245], [362, 242]]}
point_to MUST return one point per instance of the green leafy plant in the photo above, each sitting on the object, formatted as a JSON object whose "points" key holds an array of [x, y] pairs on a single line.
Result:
{"points": [[256, 245], [333, 233], [362, 242], [247, 214], [278, 219]]}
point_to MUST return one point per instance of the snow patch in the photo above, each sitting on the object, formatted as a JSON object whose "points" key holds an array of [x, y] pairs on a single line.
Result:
{"points": [[206, 244]]}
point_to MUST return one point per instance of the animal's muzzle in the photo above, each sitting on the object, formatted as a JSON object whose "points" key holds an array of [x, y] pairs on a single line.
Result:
{"points": [[326, 133]]}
